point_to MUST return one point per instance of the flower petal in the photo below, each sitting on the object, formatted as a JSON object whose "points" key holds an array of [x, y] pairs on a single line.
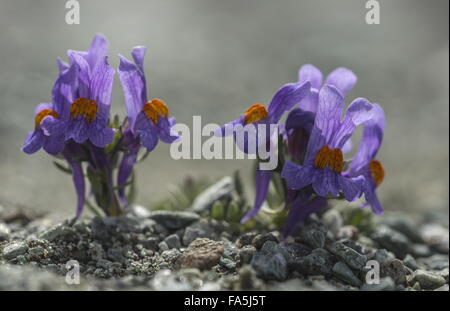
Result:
{"points": [[102, 137], [165, 132], [41, 107], [134, 89], [371, 139], [97, 50], [343, 79], [78, 180], [327, 120], [372, 198], [262, 187], [53, 126], [54, 145], [297, 176], [138, 54], [359, 111], [325, 182], [149, 139], [287, 97], [33, 142], [310, 73], [102, 83], [351, 187]]}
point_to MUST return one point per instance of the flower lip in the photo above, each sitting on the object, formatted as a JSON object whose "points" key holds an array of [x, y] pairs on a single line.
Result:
{"points": [[333, 158], [84, 106], [154, 108], [255, 113], [376, 171], [42, 114]]}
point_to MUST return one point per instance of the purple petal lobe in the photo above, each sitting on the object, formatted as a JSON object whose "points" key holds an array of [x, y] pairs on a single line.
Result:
{"points": [[133, 84], [351, 187], [102, 137], [325, 182], [309, 73], [287, 97], [33, 141], [343, 79], [297, 176]]}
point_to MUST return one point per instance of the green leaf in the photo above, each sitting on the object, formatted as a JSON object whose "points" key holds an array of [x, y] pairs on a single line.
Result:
{"points": [[63, 168]]}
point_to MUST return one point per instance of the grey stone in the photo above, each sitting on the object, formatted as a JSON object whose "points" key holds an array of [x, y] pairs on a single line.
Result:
{"points": [[270, 266], [344, 273], [227, 263], [395, 270], [420, 250], [435, 262], [392, 240], [171, 255], [260, 239], [199, 229], [218, 191], [410, 262], [319, 262], [58, 231], [245, 239], [14, 249], [151, 243], [163, 246], [404, 225], [4, 232], [37, 252], [382, 256], [427, 280], [386, 284], [294, 250], [139, 211], [174, 220], [332, 219], [436, 236], [246, 253], [444, 274], [173, 241], [348, 255], [313, 234]]}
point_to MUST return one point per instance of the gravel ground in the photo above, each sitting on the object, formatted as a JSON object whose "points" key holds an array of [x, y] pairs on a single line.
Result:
{"points": [[173, 250]]}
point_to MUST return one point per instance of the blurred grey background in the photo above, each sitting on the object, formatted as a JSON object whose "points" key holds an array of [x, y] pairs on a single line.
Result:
{"points": [[215, 58]]}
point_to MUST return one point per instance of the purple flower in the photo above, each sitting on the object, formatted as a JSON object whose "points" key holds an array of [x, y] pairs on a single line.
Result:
{"points": [[149, 119], [57, 110], [341, 78], [88, 87], [284, 99], [324, 160], [364, 162]]}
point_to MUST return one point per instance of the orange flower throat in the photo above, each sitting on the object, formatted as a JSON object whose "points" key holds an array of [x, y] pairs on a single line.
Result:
{"points": [[377, 171], [255, 113], [42, 114], [330, 157], [84, 106], [154, 108]]}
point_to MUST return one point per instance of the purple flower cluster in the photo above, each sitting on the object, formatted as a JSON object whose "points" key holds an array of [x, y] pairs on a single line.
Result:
{"points": [[76, 124], [316, 139]]}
